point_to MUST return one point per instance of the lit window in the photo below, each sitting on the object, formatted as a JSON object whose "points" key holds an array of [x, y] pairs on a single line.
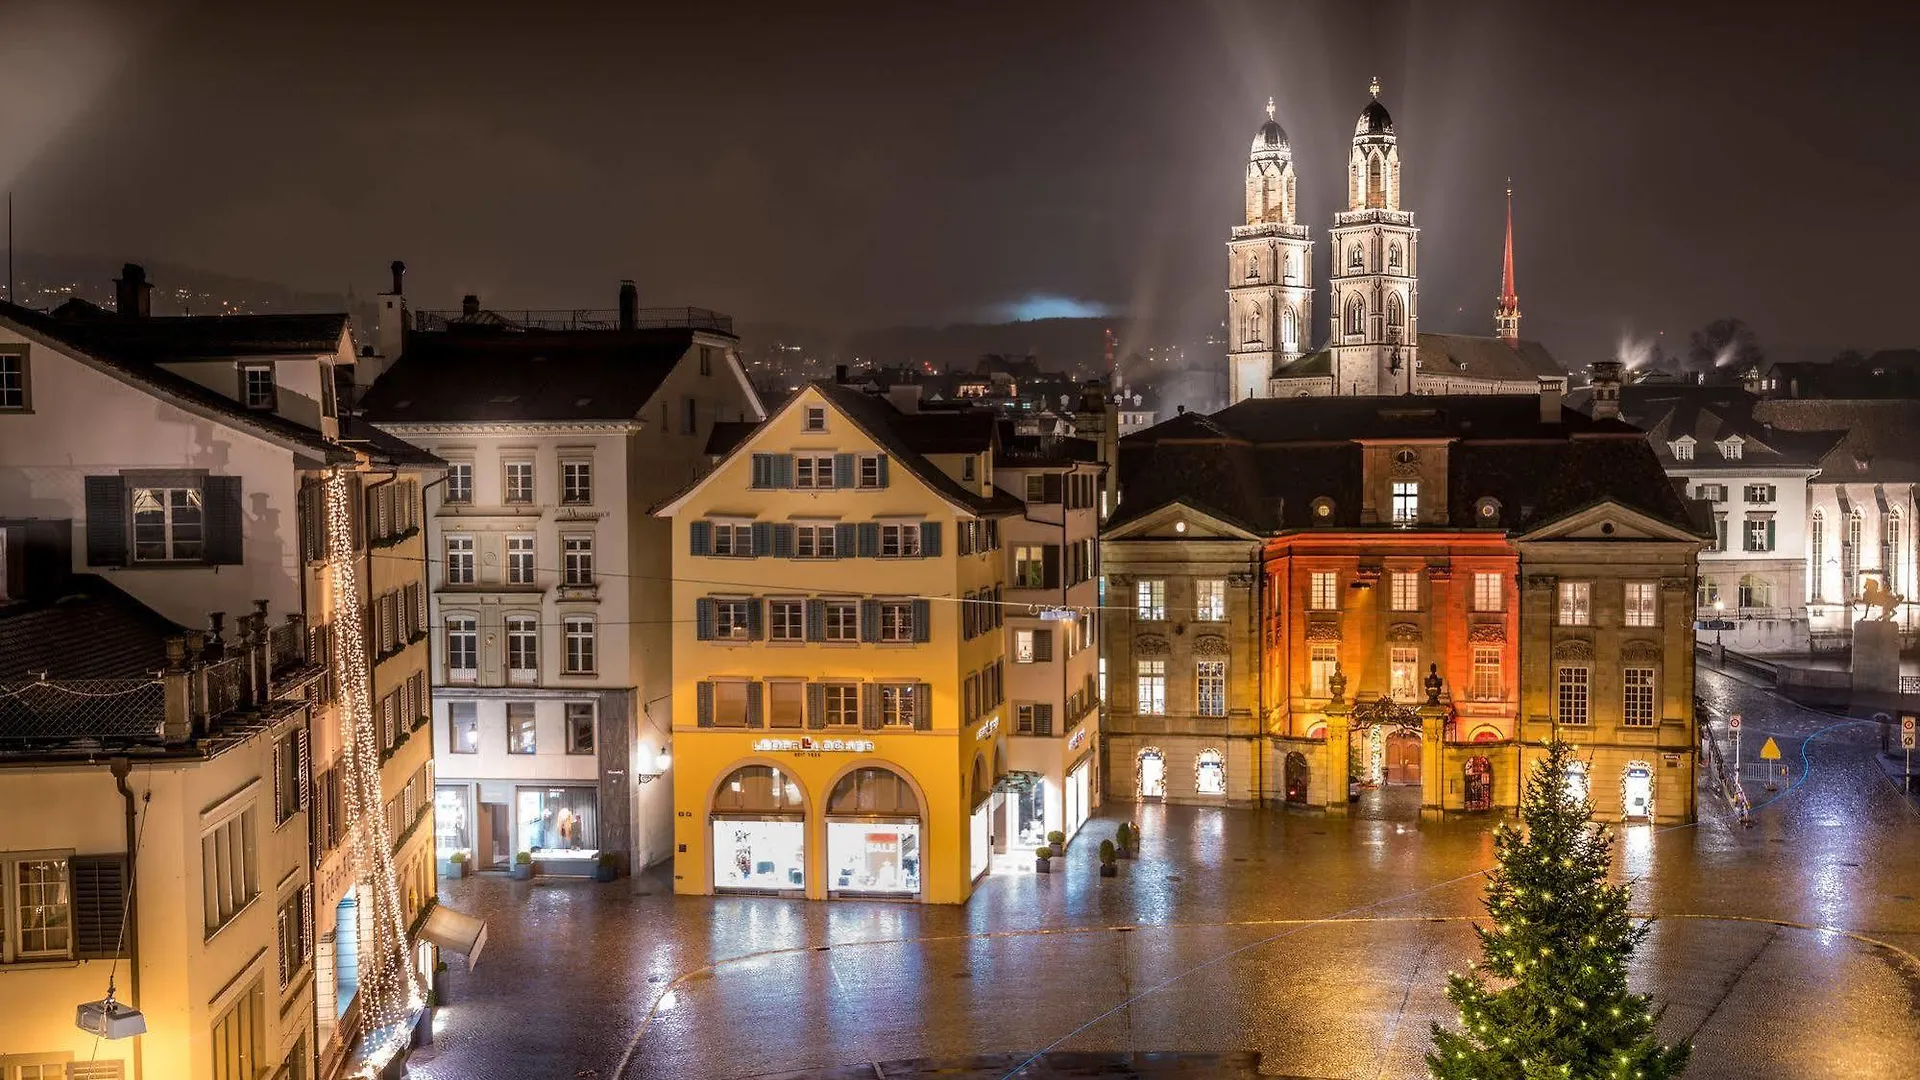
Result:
{"points": [[1640, 603], [579, 727], [523, 735], [1153, 687], [459, 560], [42, 910], [1486, 673], [519, 481], [1756, 591], [1323, 660], [1403, 673], [1406, 591], [1406, 502], [1326, 591], [1637, 698], [169, 525], [576, 482], [1573, 685], [1759, 534], [1150, 601], [580, 644], [1576, 603], [1210, 601], [1211, 679], [1488, 592], [1210, 773], [463, 725], [900, 705], [1029, 567], [896, 621]]}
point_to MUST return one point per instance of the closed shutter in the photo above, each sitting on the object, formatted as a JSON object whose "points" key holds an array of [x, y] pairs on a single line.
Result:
{"points": [[1770, 534], [700, 538], [922, 707], [762, 539], [1050, 566], [703, 618], [869, 539], [870, 706], [930, 539], [1042, 646], [967, 608], [869, 620], [106, 521], [783, 470], [816, 705], [883, 470], [225, 520], [816, 620], [843, 470], [845, 540], [703, 704], [304, 768], [999, 614], [922, 621], [783, 541], [756, 621], [756, 704], [1043, 719], [1050, 488], [99, 899], [762, 475]]}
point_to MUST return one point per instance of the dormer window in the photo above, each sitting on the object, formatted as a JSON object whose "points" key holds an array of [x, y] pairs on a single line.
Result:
{"points": [[257, 388], [1682, 448], [1730, 447]]}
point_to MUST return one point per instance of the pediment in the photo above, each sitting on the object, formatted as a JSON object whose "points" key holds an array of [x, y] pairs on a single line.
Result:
{"points": [[1178, 521], [1607, 522]]}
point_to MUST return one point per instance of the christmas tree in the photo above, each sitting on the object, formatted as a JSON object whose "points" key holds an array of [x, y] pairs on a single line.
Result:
{"points": [[1549, 999]]}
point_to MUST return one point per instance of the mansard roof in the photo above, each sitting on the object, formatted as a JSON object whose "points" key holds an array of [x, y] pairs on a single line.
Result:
{"points": [[1714, 414]]}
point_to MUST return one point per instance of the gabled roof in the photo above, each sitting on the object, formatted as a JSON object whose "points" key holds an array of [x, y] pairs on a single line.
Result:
{"points": [[1877, 440], [1471, 357], [168, 338], [727, 434], [479, 374], [1714, 414], [91, 630]]}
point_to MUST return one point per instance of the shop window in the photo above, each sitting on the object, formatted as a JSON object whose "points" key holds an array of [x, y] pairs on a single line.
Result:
{"points": [[579, 727], [559, 820], [880, 853], [1210, 773]]}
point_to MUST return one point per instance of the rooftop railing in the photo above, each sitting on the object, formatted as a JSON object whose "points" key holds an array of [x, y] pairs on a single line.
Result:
{"points": [[654, 318]]}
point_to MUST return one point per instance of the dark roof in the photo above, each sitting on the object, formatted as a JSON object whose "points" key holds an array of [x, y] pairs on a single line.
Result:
{"points": [[1261, 463], [950, 431], [1374, 120], [92, 630], [1710, 414], [1319, 362], [1272, 134], [1486, 358], [1042, 451], [199, 337], [727, 434], [903, 435], [1878, 442], [477, 373]]}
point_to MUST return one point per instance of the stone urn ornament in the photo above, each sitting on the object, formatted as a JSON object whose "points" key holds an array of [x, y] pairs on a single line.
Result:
{"points": [[1337, 684], [1433, 684]]}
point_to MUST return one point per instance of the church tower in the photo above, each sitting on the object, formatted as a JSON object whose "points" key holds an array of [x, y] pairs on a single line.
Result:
{"points": [[1506, 317], [1269, 270], [1375, 267]]}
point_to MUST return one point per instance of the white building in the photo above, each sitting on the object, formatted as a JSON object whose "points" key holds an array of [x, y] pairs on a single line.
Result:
{"points": [[550, 580]]}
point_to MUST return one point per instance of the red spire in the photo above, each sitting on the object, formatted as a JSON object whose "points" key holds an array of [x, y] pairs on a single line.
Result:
{"points": [[1506, 319]]}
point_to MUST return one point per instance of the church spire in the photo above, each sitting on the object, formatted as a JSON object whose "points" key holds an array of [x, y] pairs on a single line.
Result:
{"points": [[1506, 318]]}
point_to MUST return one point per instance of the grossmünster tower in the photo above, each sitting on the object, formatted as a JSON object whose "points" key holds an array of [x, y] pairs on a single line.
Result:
{"points": [[1374, 345]]}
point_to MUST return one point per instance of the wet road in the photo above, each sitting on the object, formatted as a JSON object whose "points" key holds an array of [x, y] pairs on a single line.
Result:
{"points": [[1782, 950]]}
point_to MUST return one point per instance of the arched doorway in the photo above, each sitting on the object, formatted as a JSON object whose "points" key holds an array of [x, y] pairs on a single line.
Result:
{"points": [[1210, 773], [1479, 784], [1578, 788], [1150, 773], [1384, 761], [759, 832], [873, 835], [1296, 778], [1636, 792]]}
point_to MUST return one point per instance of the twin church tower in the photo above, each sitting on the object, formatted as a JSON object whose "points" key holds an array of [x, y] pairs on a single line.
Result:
{"points": [[1375, 345]]}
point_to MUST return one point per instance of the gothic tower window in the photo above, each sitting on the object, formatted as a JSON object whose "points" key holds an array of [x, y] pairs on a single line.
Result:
{"points": [[1287, 331], [1376, 182], [1253, 267], [1293, 269], [1396, 311], [1817, 548], [1356, 315], [1253, 324], [1355, 260], [1393, 257]]}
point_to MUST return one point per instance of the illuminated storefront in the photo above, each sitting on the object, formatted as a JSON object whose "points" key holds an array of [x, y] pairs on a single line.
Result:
{"points": [[759, 829]]}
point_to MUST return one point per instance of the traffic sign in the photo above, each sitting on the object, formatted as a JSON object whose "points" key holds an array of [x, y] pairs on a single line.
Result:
{"points": [[1770, 752], [1733, 722], [1906, 731]]}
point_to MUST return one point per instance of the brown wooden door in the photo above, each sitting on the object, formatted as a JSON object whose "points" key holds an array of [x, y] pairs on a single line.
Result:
{"points": [[1403, 758]]}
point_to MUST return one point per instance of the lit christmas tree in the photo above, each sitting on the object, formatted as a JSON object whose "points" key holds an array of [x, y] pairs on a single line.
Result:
{"points": [[1549, 999]]}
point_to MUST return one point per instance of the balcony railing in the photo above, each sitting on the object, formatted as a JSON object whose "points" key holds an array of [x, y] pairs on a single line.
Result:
{"points": [[654, 318]]}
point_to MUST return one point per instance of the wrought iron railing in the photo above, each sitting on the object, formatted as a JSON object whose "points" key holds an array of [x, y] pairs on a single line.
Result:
{"points": [[653, 318], [43, 711], [286, 646], [226, 685]]}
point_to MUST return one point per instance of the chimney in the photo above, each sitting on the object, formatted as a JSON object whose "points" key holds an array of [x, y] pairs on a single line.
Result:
{"points": [[469, 306], [840, 374], [132, 292], [1606, 389], [629, 305], [399, 270], [390, 335], [905, 397], [1550, 390]]}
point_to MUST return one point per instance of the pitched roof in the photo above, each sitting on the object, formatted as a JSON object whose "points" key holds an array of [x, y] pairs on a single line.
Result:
{"points": [[1261, 463], [200, 337], [1877, 443], [473, 374], [903, 434], [90, 630], [1710, 414], [1486, 358], [727, 434]]}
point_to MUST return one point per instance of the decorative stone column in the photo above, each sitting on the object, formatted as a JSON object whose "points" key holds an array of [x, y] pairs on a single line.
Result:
{"points": [[1336, 754]]}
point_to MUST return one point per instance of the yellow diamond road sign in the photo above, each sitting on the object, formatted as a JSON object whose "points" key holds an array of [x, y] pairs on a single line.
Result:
{"points": [[1770, 752]]}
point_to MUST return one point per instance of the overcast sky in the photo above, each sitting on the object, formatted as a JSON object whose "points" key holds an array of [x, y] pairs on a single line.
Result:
{"points": [[853, 165]]}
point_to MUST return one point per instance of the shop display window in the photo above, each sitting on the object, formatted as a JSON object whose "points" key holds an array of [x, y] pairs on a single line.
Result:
{"points": [[766, 854], [874, 856]]}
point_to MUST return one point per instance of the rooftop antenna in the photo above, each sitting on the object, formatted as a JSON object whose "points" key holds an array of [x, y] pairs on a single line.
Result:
{"points": [[9, 247]]}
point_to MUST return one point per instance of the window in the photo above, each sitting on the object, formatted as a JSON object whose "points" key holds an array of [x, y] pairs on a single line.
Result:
{"points": [[896, 620], [1210, 773], [463, 724], [842, 620], [786, 703], [577, 559], [460, 482], [1709, 594], [813, 470], [900, 541], [1321, 662], [1711, 492], [1355, 260], [576, 482], [13, 380], [873, 471], [1356, 315], [1850, 557], [289, 776], [1029, 566], [239, 1037], [1817, 547], [1756, 591], [520, 560], [1488, 594], [1640, 603], [1393, 257], [1211, 683], [1682, 449], [842, 704], [41, 914], [522, 732], [900, 705], [1486, 673], [813, 542], [459, 560], [295, 933], [731, 619], [1403, 673], [463, 646], [689, 416], [786, 620], [579, 727], [1576, 603], [1573, 694], [1406, 502], [1758, 534], [816, 419], [1637, 700], [1730, 448], [229, 877], [730, 703], [1150, 601], [1023, 720], [1325, 595], [1719, 533], [519, 477], [1032, 646], [1406, 591], [706, 359], [1889, 548], [256, 386], [1210, 601], [168, 525], [1153, 687], [967, 465], [580, 646], [734, 540], [1760, 493], [523, 646], [1036, 488]]}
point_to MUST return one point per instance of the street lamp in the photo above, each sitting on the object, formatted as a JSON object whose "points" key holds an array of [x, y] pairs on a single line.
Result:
{"points": [[1719, 627]]}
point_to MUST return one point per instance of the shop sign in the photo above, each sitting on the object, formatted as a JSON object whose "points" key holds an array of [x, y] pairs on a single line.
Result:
{"points": [[1056, 614], [987, 729], [1078, 740], [814, 746]]}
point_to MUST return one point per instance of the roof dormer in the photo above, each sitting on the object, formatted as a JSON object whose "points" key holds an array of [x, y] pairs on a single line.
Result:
{"points": [[1731, 446], [1682, 448]]}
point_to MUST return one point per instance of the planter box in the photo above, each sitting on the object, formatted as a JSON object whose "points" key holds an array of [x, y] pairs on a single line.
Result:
{"points": [[1043, 866], [522, 871], [1109, 869]]}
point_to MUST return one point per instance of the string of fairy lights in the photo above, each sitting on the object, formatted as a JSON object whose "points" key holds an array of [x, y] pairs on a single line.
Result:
{"points": [[390, 989]]}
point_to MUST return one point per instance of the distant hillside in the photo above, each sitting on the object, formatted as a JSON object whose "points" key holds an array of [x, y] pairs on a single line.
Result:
{"points": [[1059, 344], [44, 281]]}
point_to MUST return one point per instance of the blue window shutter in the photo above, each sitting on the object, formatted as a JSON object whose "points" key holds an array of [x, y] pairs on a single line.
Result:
{"points": [[922, 707], [922, 621], [783, 541], [843, 475], [816, 705], [762, 471], [756, 700], [869, 539], [703, 619], [845, 540], [106, 521], [869, 620], [883, 470], [756, 621], [870, 706], [762, 539], [703, 696], [783, 470], [929, 539], [700, 538], [816, 620]]}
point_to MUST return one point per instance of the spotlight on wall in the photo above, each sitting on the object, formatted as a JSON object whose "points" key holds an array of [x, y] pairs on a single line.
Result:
{"points": [[646, 775]]}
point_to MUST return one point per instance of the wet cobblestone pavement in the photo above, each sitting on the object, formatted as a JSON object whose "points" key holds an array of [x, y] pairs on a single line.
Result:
{"points": [[1320, 943]]}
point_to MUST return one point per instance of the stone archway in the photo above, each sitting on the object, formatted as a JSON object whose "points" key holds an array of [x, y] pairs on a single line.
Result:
{"points": [[1393, 751]]}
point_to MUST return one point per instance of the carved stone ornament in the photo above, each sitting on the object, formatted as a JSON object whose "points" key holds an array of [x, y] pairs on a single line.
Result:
{"points": [[1240, 580], [1210, 645], [1406, 462], [1487, 633], [1323, 630], [1541, 581], [1403, 631], [1440, 571], [1640, 650], [1150, 645], [1676, 584], [1573, 649], [1122, 580]]}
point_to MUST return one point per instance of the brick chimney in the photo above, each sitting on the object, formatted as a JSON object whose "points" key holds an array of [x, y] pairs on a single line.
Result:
{"points": [[1606, 389], [469, 306], [132, 292], [629, 305], [1549, 399]]}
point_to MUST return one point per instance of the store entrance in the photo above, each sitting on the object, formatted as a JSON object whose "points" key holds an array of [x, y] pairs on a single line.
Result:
{"points": [[1636, 792]]}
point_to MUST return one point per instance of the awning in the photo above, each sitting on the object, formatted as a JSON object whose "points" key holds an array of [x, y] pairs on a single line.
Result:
{"points": [[455, 932], [1016, 780]]}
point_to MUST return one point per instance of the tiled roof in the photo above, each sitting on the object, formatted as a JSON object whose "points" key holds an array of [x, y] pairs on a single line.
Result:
{"points": [[1486, 358], [900, 434], [93, 630], [481, 374], [199, 337], [1710, 414], [1878, 442], [727, 434]]}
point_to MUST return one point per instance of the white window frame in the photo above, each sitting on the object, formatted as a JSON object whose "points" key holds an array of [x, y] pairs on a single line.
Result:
{"points": [[1573, 694], [841, 621], [1150, 599], [459, 568], [730, 615], [867, 471], [13, 930], [813, 471], [814, 542], [1324, 591], [512, 472], [1210, 687], [900, 540], [1406, 502], [1576, 603], [1639, 698], [896, 621], [1405, 589], [1489, 591], [1210, 600], [786, 619], [266, 402], [577, 559], [459, 483], [581, 653], [174, 547], [468, 628], [229, 864], [520, 559], [1642, 603], [1151, 680], [1322, 662], [523, 643], [1403, 673], [576, 481], [1487, 678]]}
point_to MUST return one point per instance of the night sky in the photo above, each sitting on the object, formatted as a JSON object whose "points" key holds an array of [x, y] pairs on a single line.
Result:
{"points": [[853, 166]]}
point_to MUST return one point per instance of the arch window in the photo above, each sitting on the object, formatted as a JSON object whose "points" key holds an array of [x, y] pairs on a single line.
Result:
{"points": [[1393, 257], [1253, 266], [1890, 549], [1756, 591], [1293, 268], [1376, 182], [1289, 331], [1850, 558], [1253, 324], [1355, 259], [1356, 316], [759, 832], [873, 834], [1396, 311], [1150, 773], [1210, 773], [1817, 555]]}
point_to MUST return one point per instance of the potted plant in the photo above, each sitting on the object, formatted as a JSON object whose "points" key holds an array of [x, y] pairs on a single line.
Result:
{"points": [[1123, 840], [454, 865], [1043, 860], [1107, 857], [1059, 841], [523, 866], [607, 867]]}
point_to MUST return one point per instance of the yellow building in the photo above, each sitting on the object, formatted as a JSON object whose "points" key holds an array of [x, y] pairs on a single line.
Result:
{"points": [[839, 674]]}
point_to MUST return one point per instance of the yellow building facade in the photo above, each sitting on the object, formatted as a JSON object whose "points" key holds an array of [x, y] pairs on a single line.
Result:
{"points": [[839, 673]]}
